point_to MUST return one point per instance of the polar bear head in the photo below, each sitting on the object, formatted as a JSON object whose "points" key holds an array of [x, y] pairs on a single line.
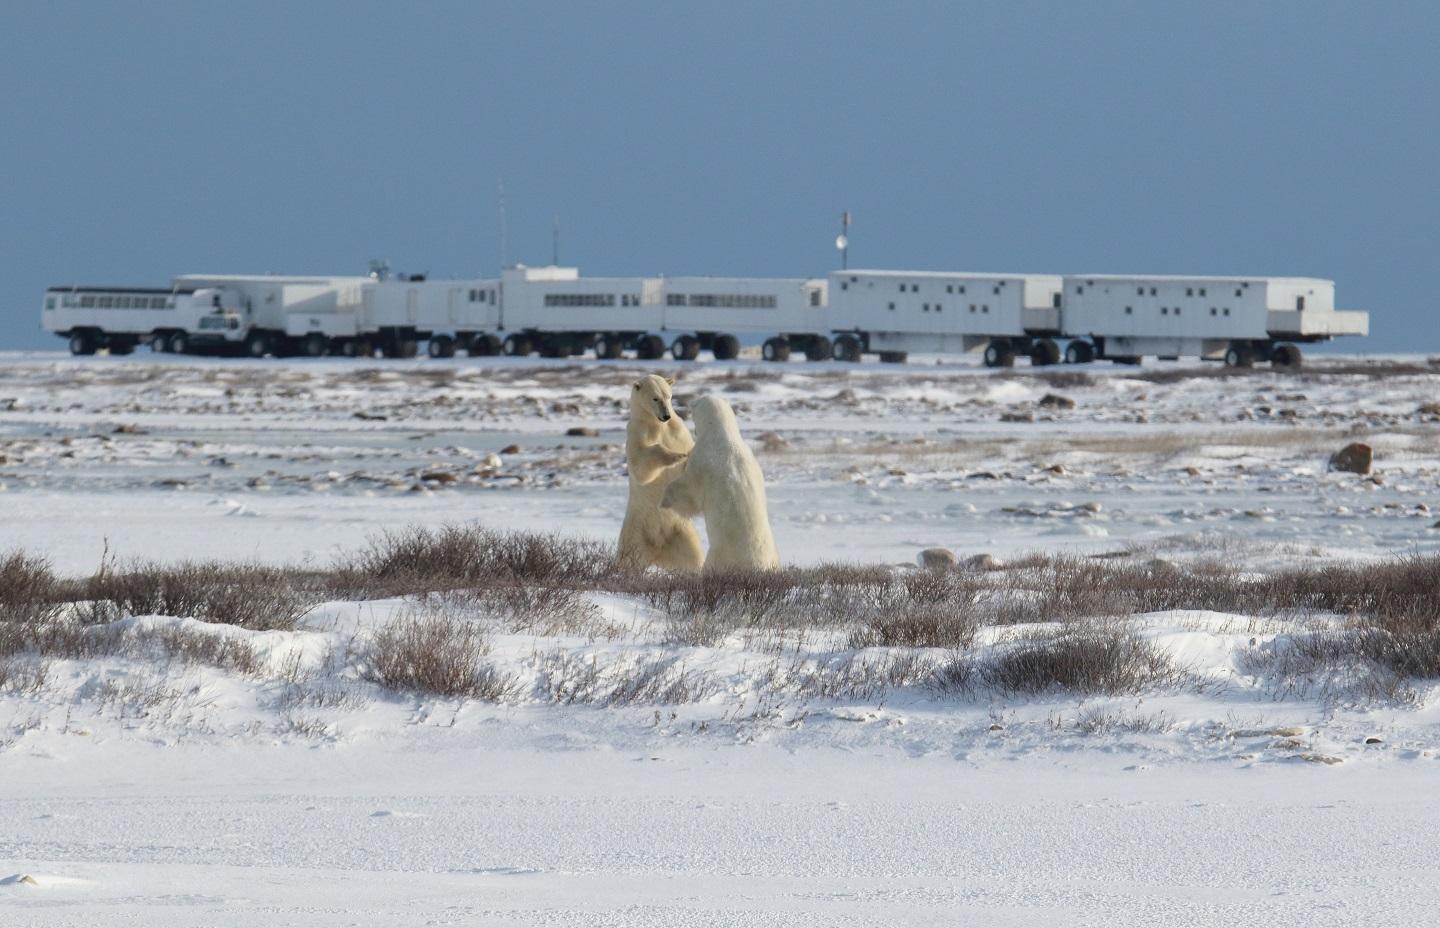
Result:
{"points": [[714, 417], [651, 397]]}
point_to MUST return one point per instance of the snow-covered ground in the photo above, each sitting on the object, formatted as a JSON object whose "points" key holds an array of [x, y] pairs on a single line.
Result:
{"points": [[766, 789]]}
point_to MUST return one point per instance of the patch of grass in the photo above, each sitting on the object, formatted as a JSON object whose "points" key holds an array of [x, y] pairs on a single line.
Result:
{"points": [[1091, 660], [569, 679], [440, 655], [249, 596]]}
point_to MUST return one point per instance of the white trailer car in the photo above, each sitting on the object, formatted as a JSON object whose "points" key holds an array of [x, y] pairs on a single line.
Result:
{"points": [[707, 312], [396, 314], [1237, 319], [117, 319], [265, 302], [895, 312]]}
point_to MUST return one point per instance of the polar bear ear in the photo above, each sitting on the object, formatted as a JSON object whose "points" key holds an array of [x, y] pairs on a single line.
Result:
{"points": [[637, 384], [670, 381]]}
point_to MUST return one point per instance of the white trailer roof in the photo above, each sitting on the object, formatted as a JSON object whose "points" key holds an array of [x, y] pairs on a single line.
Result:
{"points": [[1181, 278], [938, 275]]}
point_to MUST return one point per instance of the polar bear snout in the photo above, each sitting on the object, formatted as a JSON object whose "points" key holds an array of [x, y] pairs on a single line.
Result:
{"points": [[663, 412]]}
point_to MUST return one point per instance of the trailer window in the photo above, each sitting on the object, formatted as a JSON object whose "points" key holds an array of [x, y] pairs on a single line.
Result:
{"points": [[1202, 291], [1237, 291], [1177, 310], [1164, 311], [1055, 300], [49, 302], [1079, 288], [972, 307], [1189, 291], [1299, 303], [1139, 291], [925, 308], [997, 289], [844, 285], [1214, 311], [1152, 291], [985, 307], [1129, 311], [962, 288], [892, 307], [1227, 310]]}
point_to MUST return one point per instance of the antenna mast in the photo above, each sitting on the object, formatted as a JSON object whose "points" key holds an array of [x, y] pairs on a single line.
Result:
{"points": [[504, 228], [555, 244]]}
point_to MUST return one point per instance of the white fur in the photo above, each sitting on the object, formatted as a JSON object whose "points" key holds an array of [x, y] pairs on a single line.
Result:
{"points": [[723, 480], [655, 454]]}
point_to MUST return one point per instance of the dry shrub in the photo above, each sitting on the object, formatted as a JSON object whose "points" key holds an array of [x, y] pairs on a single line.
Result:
{"points": [[422, 560], [1367, 663], [541, 610], [570, 679], [438, 654], [1092, 660], [856, 676], [28, 590], [22, 675], [249, 596], [187, 645]]}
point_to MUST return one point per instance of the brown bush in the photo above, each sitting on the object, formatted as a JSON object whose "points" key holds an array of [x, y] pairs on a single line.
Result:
{"points": [[1092, 660], [438, 654], [250, 596], [422, 560]]}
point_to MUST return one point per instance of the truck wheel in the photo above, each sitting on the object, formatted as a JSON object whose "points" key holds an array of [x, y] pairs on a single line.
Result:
{"points": [[847, 348], [441, 346], [179, 343], [894, 357], [406, 348], [1238, 355], [999, 354], [685, 348], [158, 344], [121, 346], [316, 345], [1044, 353], [1079, 352], [650, 348], [819, 349], [484, 346], [517, 346], [775, 349], [1287, 356], [257, 345], [609, 347], [725, 347]]}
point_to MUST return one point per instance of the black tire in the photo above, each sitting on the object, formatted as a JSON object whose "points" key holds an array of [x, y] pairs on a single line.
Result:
{"points": [[725, 347], [517, 346], [685, 348], [1239, 356], [121, 346], [1044, 352], [775, 349], [819, 349], [82, 343], [650, 348], [179, 343], [894, 357], [847, 348], [441, 346], [997, 353], [257, 345], [1287, 355], [484, 346], [315, 345], [158, 343], [609, 347], [1079, 352]]}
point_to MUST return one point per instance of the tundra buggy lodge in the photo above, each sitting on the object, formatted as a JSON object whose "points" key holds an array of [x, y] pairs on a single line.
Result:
{"points": [[558, 313]]}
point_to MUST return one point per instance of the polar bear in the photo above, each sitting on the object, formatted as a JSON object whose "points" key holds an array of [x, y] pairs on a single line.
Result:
{"points": [[723, 480], [656, 445]]}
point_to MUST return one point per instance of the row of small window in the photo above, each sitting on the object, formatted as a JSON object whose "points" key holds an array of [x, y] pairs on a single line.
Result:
{"points": [[580, 299], [110, 301], [939, 307], [915, 288], [1175, 311], [1189, 291], [481, 295], [724, 300]]}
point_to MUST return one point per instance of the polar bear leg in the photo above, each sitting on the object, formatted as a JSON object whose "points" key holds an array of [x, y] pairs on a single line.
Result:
{"points": [[681, 551]]}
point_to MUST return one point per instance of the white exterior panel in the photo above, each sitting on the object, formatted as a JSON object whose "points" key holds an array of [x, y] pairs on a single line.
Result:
{"points": [[730, 305]]}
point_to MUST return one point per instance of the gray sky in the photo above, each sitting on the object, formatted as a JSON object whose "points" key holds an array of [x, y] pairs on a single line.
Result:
{"points": [[142, 140]]}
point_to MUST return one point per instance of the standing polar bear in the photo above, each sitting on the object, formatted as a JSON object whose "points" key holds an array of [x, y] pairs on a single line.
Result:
{"points": [[723, 480], [656, 445]]}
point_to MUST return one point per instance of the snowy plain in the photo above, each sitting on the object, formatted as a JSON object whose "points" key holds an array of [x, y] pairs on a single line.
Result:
{"points": [[233, 802]]}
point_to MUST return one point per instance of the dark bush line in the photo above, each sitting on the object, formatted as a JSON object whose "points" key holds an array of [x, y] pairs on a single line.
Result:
{"points": [[1089, 660]]}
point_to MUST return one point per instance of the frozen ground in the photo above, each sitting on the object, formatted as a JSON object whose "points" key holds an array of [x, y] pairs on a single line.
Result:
{"points": [[286, 461], [159, 794]]}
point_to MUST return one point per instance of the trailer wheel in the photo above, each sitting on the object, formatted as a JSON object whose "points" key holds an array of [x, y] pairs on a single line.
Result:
{"points": [[650, 347], [516, 346], [775, 349], [1238, 355], [1079, 352], [1286, 355], [315, 345], [894, 357], [819, 349], [847, 348], [999, 354], [484, 346], [179, 343], [685, 348], [1044, 353], [441, 346], [609, 347], [257, 345], [725, 347], [158, 343], [121, 346]]}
